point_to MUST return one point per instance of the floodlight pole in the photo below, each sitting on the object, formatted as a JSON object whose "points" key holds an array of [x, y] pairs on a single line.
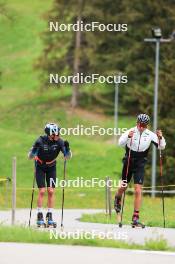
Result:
{"points": [[116, 111], [156, 89], [116, 103], [157, 41]]}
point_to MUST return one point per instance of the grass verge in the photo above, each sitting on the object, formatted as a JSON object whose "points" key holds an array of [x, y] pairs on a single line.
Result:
{"points": [[25, 235], [150, 214]]}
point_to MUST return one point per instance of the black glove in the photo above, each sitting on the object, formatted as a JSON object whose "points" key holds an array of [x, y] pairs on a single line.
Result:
{"points": [[66, 144]]}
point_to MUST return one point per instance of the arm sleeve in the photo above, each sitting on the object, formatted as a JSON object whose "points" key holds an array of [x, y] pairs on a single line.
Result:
{"points": [[123, 139], [34, 150], [155, 141]]}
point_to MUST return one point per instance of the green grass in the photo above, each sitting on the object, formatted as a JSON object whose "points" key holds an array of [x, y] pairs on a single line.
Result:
{"points": [[150, 213], [25, 235], [20, 45]]}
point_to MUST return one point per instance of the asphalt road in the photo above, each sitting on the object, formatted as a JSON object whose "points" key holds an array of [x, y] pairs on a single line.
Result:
{"points": [[44, 254]]}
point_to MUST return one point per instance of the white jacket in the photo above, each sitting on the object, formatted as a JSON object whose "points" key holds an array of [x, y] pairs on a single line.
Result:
{"points": [[141, 141]]}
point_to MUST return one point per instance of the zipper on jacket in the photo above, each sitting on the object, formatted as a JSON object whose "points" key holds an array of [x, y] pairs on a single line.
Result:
{"points": [[139, 142]]}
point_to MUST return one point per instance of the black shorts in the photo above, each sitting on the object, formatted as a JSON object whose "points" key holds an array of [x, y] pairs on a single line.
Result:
{"points": [[135, 169], [45, 175]]}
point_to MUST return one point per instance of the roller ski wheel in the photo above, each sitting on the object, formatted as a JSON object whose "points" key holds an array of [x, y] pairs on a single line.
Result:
{"points": [[51, 225], [49, 221], [41, 225], [120, 225], [40, 221], [135, 224]]}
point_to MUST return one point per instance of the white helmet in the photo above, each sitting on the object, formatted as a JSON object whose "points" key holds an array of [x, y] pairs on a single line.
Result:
{"points": [[52, 129], [143, 118]]}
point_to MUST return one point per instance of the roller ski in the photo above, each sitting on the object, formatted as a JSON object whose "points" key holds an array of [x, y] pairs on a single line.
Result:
{"points": [[49, 221], [40, 220], [135, 221], [117, 207], [137, 224]]}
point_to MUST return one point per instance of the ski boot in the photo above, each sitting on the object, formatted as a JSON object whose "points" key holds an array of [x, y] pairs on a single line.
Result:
{"points": [[135, 221], [40, 220], [117, 207], [49, 221]]}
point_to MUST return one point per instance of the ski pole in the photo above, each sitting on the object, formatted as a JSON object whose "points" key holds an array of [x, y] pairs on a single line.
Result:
{"points": [[31, 204], [62, 209], [127, 170], [162, 184]]}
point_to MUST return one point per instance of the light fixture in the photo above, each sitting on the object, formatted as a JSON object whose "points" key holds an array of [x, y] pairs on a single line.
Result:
{"points": [[157, 33]]}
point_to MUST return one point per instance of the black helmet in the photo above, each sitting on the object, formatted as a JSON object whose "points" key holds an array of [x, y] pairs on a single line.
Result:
{"points": [[52, 129], [143, 118]]}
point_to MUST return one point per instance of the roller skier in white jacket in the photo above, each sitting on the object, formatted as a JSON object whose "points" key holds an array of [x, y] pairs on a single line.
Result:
{"points": [[136, 141]]}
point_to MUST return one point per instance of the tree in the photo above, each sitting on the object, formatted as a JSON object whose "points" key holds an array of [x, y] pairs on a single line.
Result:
{"points": [[77, 58], [63, 51]]}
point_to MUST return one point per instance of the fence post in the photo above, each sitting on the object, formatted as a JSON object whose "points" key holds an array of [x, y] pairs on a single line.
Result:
{"points": [[7, 192], [106, 194], [13, 189], [109, 197]]}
